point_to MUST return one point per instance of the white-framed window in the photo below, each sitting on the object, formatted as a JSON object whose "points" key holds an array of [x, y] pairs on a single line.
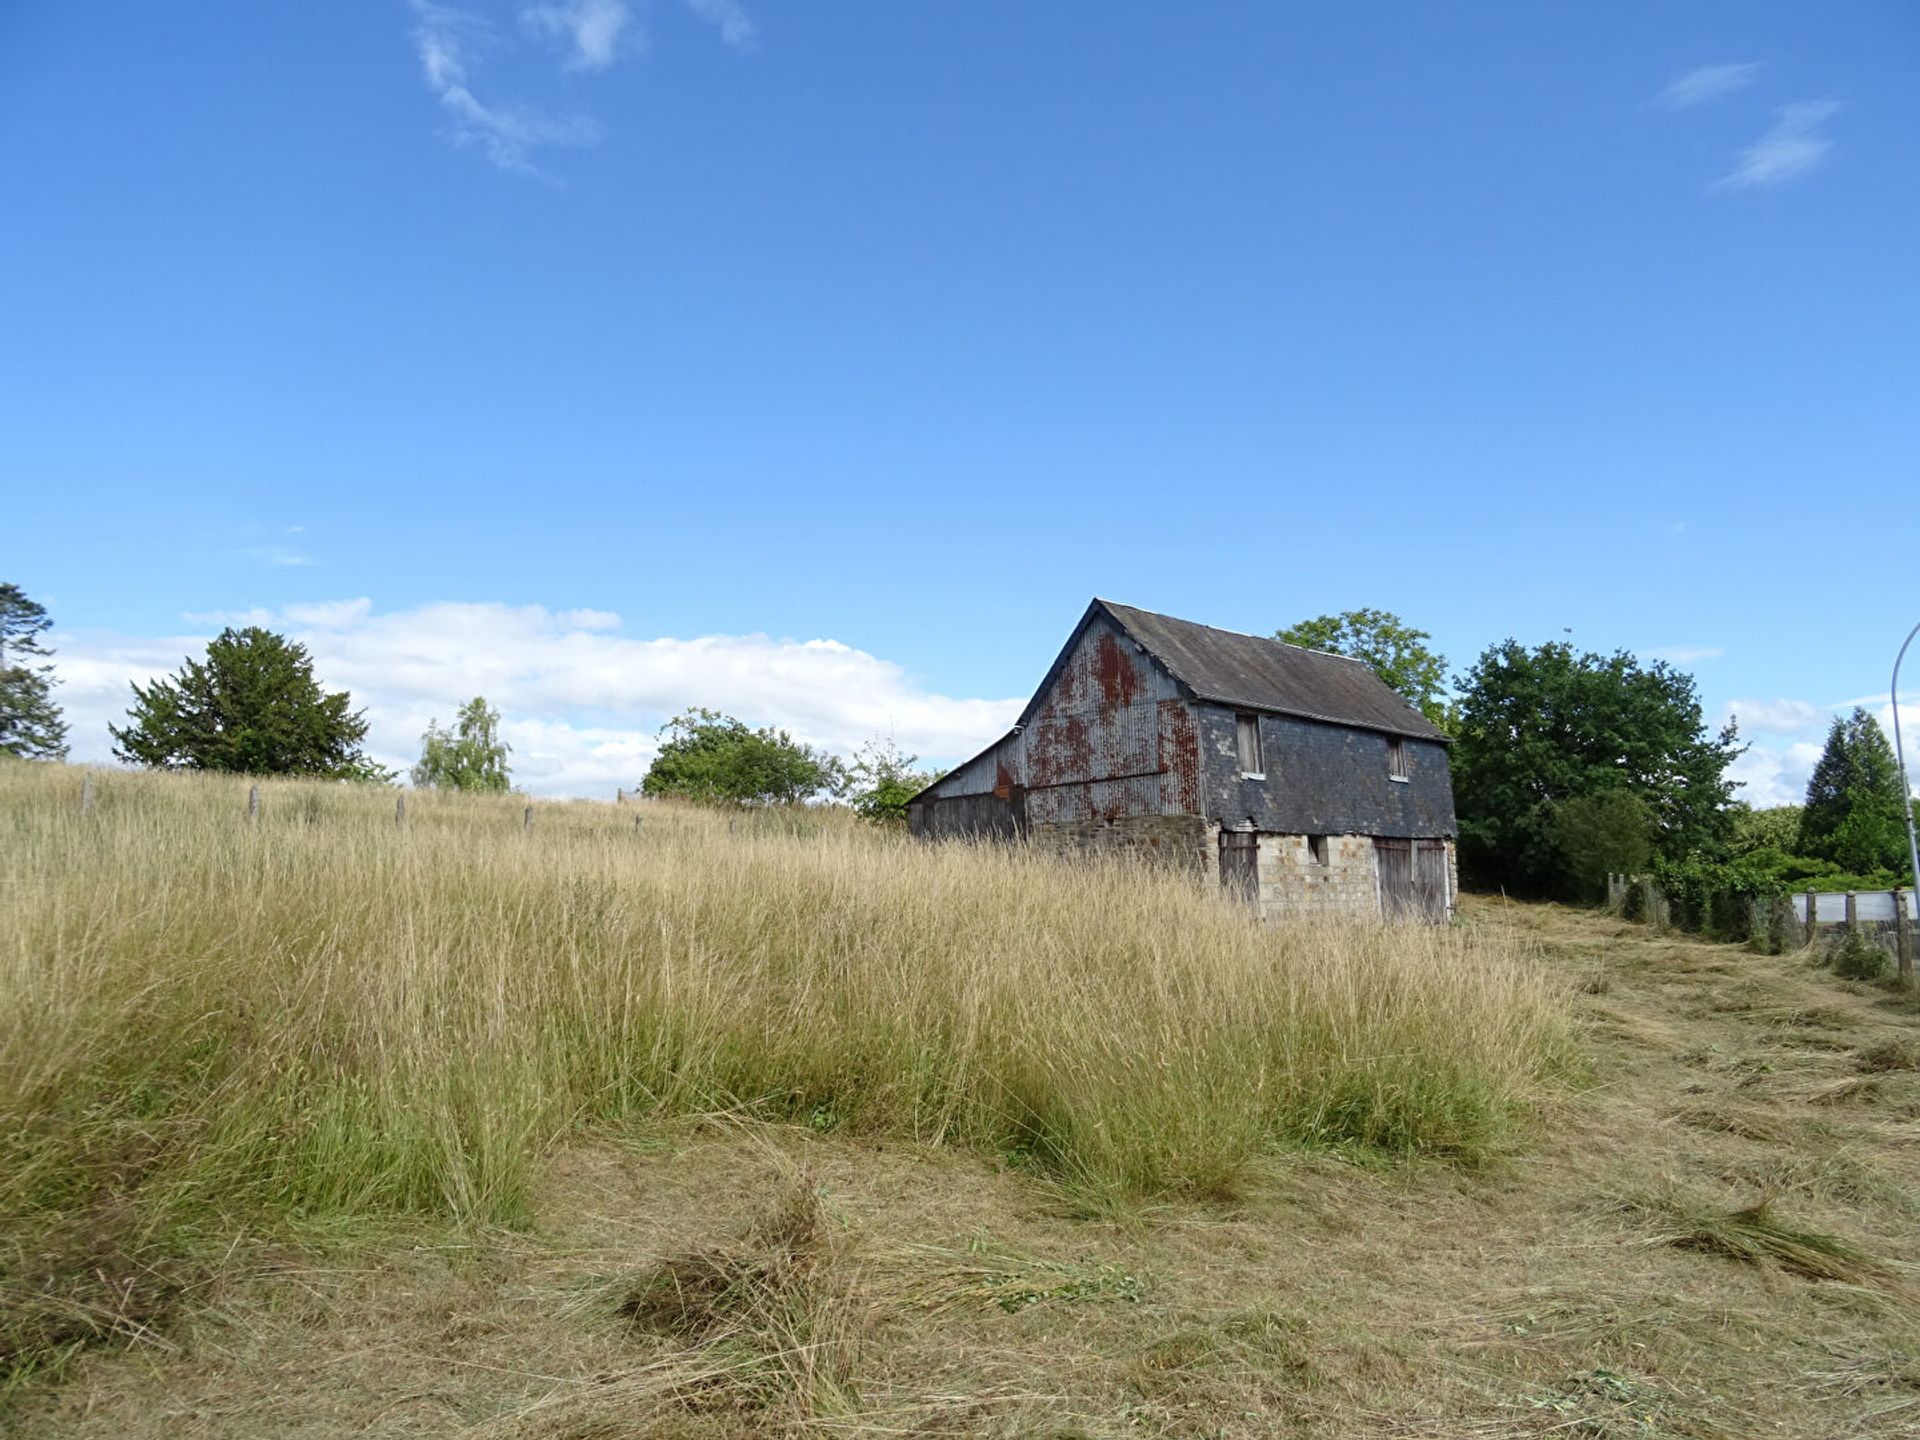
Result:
{"points": [[1246, 735], [1396, 758]]}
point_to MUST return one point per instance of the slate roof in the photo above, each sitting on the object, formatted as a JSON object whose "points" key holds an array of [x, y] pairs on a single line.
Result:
{"points": [[1260, 674]]}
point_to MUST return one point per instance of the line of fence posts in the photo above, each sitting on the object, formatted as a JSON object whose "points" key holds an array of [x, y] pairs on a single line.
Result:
{"points": [[1775, 916]]}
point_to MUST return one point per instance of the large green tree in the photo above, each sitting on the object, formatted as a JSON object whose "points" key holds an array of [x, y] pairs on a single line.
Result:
{"points": [[716, 759], [251, 706], [1397, 652], [31, 726], [1539, 728], [1854, 815], [470, 756]]}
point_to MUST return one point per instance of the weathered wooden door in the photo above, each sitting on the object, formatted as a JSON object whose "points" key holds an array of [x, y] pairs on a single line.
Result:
{"points": [[1430, 880], [1240, 864], [1393, 860]]}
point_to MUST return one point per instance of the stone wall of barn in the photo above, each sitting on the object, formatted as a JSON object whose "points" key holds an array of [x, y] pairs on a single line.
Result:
{"points": [[1184, 842], [1293, 883]]}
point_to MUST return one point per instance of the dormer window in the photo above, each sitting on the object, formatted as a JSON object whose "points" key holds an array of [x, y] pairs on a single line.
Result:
{"points": [[1396, 759], [1246, 734]]}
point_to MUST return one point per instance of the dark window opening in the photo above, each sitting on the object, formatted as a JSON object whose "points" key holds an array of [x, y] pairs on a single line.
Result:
{"points": [[1317, 848], [1396, 759], [1246, 733]]}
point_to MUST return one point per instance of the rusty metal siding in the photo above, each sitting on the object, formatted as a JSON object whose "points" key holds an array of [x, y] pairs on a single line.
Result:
{"points": [[1111, 736], [1324, 779]]}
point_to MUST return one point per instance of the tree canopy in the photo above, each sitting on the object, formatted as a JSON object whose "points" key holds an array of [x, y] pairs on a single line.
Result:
{"points": [[1540, 728], [252, 706], [470, 756], [1855, 814], [716, 759], [1397, 652], [882, 779], [31, 726]]}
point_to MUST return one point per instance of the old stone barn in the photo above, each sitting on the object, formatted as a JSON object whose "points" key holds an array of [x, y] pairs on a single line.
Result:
{"points": [[1298, 777]]}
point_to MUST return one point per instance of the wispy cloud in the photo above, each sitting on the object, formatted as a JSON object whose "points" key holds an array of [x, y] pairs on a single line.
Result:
{"points": [[1795, 143], [596, 32], [1707, 84], [1684, 654], [507, 134], [1778, 717], [726, 16], [582, 700]]}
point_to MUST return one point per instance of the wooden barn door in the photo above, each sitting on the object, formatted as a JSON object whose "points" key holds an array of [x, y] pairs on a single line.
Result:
{"points": [[1430, 880], [1394, 861], [1240, 864]]}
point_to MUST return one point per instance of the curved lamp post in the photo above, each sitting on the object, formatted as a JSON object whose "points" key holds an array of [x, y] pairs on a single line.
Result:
{"points": [[1900, 753]]}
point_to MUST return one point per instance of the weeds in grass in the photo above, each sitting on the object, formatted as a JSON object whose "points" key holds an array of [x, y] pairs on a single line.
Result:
{"points": [[987, 1273], [1754, 1235], [1896, 1052]]}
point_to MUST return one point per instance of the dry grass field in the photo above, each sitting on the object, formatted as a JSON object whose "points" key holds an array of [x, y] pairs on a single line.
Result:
{"points": [[321, 1127]]}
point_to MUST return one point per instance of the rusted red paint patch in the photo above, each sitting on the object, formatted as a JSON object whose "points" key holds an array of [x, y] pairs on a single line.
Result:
{"points": [[1114, 673], [1180, 755], [1002, 780]]}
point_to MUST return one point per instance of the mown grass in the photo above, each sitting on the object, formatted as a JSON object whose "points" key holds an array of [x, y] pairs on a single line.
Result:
{"points": [[325, 1015]]}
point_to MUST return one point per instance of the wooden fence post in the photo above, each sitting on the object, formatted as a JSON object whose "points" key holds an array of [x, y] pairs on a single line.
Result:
{"points": [[400, 808], [526, 819], [636, 823], [1902, 938], [1853, 914], [253, 803], [86, 793], [1813, 916]]}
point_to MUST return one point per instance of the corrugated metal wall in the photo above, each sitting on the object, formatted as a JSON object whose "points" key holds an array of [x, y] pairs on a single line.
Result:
{"points": [[1111, 736]]}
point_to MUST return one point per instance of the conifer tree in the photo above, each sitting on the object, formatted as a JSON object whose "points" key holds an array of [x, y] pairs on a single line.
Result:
{"points": [[1854, 815], [31, 726]]}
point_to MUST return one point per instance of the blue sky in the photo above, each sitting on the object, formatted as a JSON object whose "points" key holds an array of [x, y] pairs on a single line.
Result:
{"points": [[820, 361]]}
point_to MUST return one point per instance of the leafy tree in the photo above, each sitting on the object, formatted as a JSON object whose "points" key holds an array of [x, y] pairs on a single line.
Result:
{"points": [[1602, 834], [31, 726], [882, 780], [1774, 829], [1854, 815], [1397, 652], [1537, 728], [471, 756], [252, 706], [715, 759]]}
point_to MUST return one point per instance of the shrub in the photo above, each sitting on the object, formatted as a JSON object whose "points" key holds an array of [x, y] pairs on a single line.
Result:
{"points": [[1858, 958]]}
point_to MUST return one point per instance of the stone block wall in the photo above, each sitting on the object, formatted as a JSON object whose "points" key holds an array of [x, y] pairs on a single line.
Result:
{"points": [[1293, 883], [1183, 841]]}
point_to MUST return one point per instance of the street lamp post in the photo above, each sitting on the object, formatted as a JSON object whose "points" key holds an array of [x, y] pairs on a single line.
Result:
{"points": [[1900, 753]]}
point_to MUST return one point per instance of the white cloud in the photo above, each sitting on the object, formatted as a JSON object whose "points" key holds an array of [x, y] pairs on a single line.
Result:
{"points": [[1778, 717], [1793, 145], [596, 32], [1685, 654], [580, 702], [1707, 84], [1774, 774], [726, 16], [507, 134]]}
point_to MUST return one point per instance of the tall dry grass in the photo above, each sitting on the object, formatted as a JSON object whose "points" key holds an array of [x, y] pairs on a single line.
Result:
{"points": [[327, 1015]]}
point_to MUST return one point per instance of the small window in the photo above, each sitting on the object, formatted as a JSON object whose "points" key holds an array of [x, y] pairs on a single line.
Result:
{"points": [[1396, 759], [1246, 731], [1317, 849]]}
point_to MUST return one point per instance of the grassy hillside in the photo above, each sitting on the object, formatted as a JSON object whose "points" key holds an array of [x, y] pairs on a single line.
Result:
{"points": [[215, 1027]]}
